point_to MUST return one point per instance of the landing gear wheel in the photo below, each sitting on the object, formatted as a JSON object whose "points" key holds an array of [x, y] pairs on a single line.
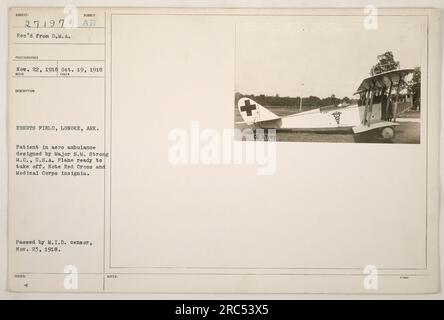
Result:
{"points": [[388, 133]]}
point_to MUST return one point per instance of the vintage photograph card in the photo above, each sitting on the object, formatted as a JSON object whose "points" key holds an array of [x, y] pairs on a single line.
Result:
{"points": [[224, 150]]}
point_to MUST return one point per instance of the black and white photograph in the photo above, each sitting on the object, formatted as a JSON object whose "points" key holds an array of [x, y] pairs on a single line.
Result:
{"points": [[349, 81]]}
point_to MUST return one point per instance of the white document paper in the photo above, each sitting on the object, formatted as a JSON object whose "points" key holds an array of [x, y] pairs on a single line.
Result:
{"points": [[169, 150]]}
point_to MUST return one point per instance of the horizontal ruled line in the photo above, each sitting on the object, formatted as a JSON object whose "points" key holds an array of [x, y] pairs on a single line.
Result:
{"points": [[62, 43], [58, 77], [87, 60], [67, 28]]}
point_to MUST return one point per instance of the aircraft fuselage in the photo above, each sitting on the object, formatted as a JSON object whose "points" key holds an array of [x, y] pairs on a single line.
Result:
{"points": [[331, 118]]}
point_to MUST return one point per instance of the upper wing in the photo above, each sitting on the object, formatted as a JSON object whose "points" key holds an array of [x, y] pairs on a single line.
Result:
{"points": [[383, 79]]}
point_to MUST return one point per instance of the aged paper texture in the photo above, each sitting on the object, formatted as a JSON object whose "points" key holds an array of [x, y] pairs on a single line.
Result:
{"points": [[223, 150]]}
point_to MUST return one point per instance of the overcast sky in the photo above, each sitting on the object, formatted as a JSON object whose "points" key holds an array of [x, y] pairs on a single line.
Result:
{"points": [[327, 58]]}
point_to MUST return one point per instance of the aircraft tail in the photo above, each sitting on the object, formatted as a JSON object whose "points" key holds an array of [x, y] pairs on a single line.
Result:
{"points": [[252, 112]]}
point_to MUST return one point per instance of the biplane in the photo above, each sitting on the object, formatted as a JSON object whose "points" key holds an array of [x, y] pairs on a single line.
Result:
{"points": [[376, 110]]}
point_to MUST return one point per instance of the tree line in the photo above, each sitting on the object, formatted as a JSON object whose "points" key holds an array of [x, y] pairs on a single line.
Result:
{"points": [[310, 102]]}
